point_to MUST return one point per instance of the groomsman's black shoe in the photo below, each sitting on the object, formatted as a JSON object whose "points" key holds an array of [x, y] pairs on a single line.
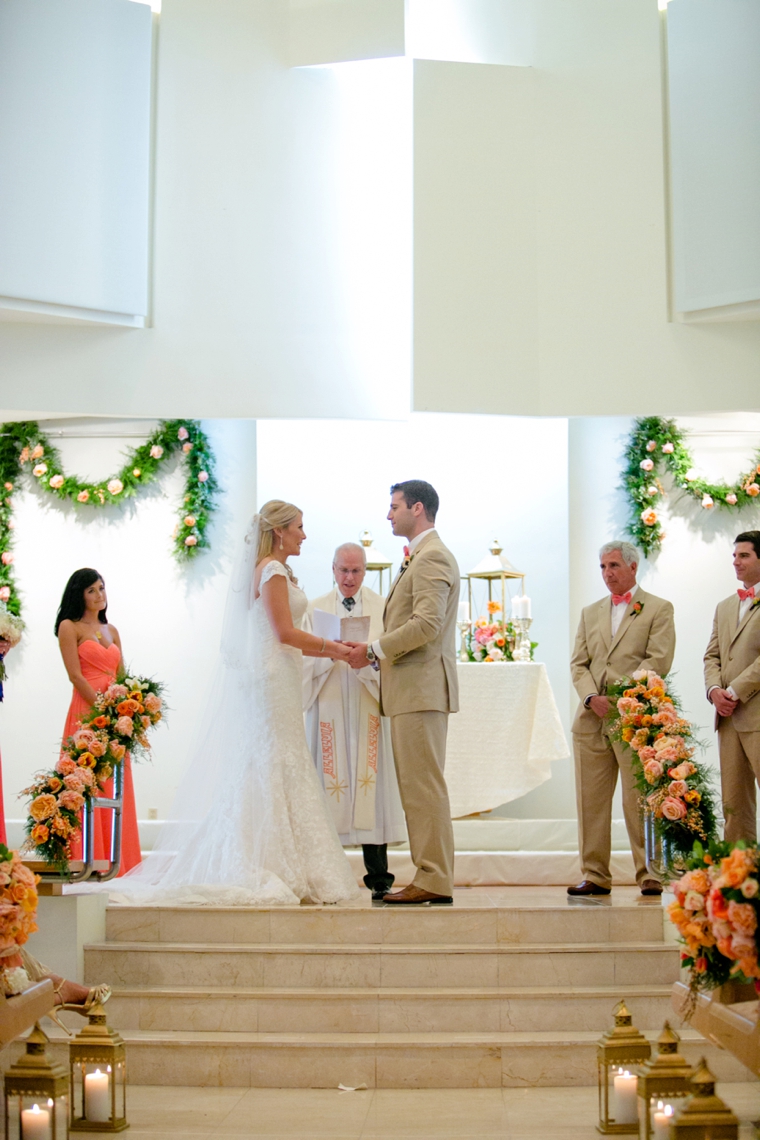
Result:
{"points": [[378, 896], [586, 887], [650, 887], [415, 896]]}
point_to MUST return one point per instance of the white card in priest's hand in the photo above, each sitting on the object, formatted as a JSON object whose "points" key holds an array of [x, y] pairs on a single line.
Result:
{"points": [[326, 625], [354, 629]]}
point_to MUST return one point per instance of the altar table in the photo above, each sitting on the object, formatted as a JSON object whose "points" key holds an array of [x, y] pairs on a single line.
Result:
{"points": [[502, 741]]}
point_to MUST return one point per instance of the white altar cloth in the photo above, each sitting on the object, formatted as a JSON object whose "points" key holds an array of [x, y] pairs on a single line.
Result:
{"points": [[502, 741]]}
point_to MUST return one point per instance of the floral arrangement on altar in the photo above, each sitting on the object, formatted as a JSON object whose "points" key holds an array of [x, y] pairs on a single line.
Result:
{"points": [[118, 721], [24, 447], [673, 786], [493, 640], [716, 911], [18, 914], [656, 442]]}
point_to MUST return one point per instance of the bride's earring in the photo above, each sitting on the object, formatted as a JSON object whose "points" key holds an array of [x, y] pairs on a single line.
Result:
{"points": [[282, 544]]}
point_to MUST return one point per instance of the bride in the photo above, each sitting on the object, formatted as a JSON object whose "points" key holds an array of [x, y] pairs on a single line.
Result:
{"points": [[250, 823]]}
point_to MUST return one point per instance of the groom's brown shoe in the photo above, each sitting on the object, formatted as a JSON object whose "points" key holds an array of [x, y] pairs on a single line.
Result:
{"points": [[415, 896]]}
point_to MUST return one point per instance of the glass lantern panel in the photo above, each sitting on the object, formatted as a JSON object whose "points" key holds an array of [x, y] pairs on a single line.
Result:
{"points": [[37, 1117]]}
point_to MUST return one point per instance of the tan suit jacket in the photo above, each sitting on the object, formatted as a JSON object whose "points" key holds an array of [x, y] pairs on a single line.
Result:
{"points": [[419, 673], [645, 640], [733, 658]]}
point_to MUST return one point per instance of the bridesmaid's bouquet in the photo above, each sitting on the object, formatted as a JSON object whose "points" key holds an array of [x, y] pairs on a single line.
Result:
{"points": [[117, 723], [11, 628]]}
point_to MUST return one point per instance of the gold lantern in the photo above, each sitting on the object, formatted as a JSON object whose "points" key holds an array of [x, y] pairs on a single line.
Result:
{"points": [[98, 1077], [705, 1116], [376, 561], [36, 1094], [495, 568], [621, 1048], [662, 1080]]}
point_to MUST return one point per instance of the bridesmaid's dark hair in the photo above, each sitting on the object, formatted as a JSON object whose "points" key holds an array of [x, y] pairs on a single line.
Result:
{"points": [[72, 602]]}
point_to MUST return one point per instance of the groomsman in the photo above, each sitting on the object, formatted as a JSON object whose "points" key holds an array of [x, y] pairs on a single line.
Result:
{"points": [[349, 740], [732, 678], [624, 632]]}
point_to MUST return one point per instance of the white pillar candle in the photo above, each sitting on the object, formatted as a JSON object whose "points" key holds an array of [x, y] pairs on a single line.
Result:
{"points": [[526, 606], [35, 1124], [464, 611], [97, 1096], [626, 1105], [662, 1122], [515, 607]]}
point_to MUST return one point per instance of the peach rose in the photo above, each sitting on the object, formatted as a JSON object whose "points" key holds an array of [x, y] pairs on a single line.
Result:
{"points": [[187, 447], [115, 487], [749, 888], [673, 809], [183, 433], [629, 705], [54, 784], [743, 917], [125, 726], [152, 703], [189, 520], [651, 446], [677, 788], [707, 501], [8, 486], [683, 771], [40, 833], [83, 496], [668, 448], [98, 748], [57, 481], [7, 558], [87, 775], [731, 499], [191, 540], [5, 593], [65, 765], [646, 464], [203, 477], [653, 771], [42, 807], [156, 451], [753, 490], [74, 781], [649, 517], [693, 901], [72, 801], [38, 452], [117, 750], [39, 470]]}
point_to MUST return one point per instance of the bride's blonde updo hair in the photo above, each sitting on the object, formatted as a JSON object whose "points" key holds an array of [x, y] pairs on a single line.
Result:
{"points": [[273, 514]]}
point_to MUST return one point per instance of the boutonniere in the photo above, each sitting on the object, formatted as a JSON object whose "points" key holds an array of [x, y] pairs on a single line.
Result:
{"points": [[756, 603], [407, 560], [636, 608]]}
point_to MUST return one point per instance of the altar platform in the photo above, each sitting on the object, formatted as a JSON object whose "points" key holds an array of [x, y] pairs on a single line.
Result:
{"points": [[509, 988]]}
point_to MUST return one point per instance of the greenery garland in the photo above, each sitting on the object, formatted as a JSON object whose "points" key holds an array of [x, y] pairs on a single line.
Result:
{"points": [[655, 442], [25, 447]]}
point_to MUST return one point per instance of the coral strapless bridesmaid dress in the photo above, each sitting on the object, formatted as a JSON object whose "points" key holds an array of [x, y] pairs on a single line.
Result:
{"points": [[99, 664]]}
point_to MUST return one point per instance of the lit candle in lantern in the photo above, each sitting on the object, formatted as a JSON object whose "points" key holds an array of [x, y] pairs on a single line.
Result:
{"points": [[464, 611], [35, 1124], [97, 1096], [626, 1105], [662, 1122]]}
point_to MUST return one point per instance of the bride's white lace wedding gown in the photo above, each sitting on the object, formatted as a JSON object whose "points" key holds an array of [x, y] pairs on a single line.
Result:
{"points": [[251, 824]]}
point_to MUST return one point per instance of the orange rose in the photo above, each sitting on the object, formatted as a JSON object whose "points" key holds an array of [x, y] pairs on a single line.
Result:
{"points": [[54, 784], [627, 734], [87, 760], [43, 807], [101, 721], [40, 834], [61, 827], [19, 893]]}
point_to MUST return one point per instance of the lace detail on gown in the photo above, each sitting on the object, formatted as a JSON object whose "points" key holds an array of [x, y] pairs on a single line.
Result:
{"points": [[251, 823]]}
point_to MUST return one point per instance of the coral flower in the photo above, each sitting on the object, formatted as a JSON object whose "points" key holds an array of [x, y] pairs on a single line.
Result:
{"points": [[203, 477], [753, 490], [115, 487], [191, 540], [189, 520], [72, 801], [494, 607], [83, 497], [56, 482], [125, 726], [7, 558], [87, 760], [40, 834], [187, 447], [43, 807], [183, 433], [649, 517], [156, 451]]}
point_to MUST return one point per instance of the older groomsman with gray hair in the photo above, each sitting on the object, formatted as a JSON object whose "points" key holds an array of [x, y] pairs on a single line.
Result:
{"points": [[624, 632], [348, 738]]}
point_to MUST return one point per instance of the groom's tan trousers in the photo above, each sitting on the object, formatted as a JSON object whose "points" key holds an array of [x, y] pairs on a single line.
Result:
{"points": [[419, 750]]}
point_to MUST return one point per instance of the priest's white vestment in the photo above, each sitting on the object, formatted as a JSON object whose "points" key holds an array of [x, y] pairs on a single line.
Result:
{"points": [[349, 740]]}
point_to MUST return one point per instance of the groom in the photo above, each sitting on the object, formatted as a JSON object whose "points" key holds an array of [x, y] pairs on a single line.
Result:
{"points": [[418, 686]]}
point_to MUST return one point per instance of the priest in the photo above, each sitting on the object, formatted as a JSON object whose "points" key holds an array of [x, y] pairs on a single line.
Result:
{"points": [[349, 740]]}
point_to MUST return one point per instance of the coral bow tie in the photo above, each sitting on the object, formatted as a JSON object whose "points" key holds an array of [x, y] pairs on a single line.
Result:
{"points": [[744, 594], [620, 599]]}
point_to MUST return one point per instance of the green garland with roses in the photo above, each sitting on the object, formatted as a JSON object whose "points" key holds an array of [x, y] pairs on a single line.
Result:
{"points": [[25, 450], [656, 443]]}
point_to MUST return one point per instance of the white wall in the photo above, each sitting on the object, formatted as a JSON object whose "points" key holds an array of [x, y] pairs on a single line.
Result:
{"points": [[496, 476], [169, 617]]}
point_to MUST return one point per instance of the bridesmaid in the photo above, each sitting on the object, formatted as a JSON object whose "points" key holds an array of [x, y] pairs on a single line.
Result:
{"points": [[91, 651]]}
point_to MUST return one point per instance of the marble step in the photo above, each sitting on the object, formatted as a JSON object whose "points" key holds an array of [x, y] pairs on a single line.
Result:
{"points": [[581, 922], [382, 1060], [506, 1010], [365, 966]]}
